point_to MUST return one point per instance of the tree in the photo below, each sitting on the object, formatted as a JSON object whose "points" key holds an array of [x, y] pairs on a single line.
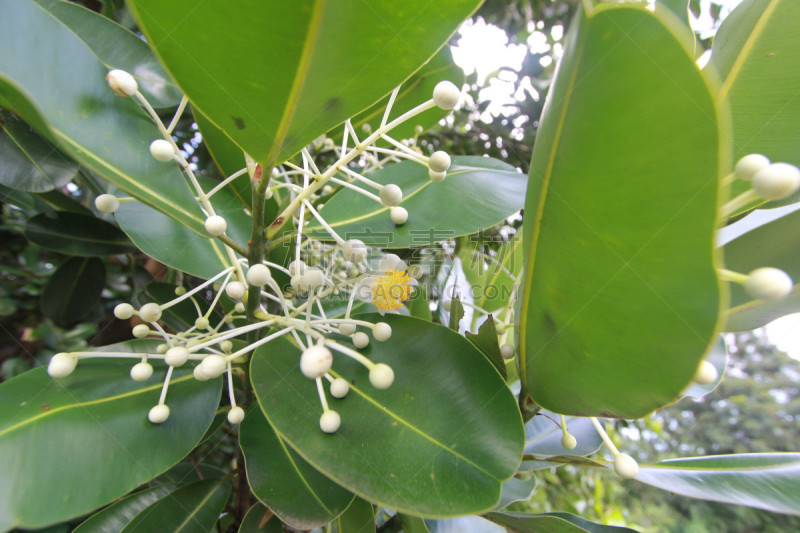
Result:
{"points": [[274, 158]]}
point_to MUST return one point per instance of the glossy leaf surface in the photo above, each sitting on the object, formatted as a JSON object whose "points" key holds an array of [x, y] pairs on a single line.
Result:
{"points": [[358, 518], [46, 423], [74, 234], [115, 517], [493, 278], [621, 297], [259, 519], [768, 481], [74, 289], [439, 442], [477, 193], [486, 341], [295, 491], [192, 508], [319, 62], [551, 523]]}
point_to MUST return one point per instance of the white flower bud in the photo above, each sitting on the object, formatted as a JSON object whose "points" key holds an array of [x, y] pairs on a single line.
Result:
{"points": [[236, 415], [226, 346], [749, 165], [296, 267], [439, 161], [382, 331], [201, 323], [235, 290], [768, 283], [239, 308], [706, 374], [507, 351], [569, 442], [313, 278], [381, 376], [390, 195], [141, 331], [61, 365], [123, 311], [180, 290], [158, 414], [199, 375], [150, 312], [141, 371], [315, 361], [436, 176], [216, 225], [121, 83], [354, 250], [777, 181], [399, 215], [360, 339], [330, 421], [162, 150], [297, 282], [176, 356], [339, 388], [106, 203], [258, 275], [347, 329], [162, 348], [446, 95], [327, 190], [213, 365], [626, 466]]}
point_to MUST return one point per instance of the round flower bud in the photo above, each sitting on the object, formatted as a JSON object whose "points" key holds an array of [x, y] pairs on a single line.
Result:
{"points": [[313, 278], [297, 282], [768, 283], [141, 331], [176, 356], [330, 421], [439, 161], [706, 374], [214, 365], [123, 311], [382, 331], [327, 189], [192, 343], [150, 312], [776, 181], [399, 215], [216, 225], [447, 305], [239, 308], [354, 250], [106, 203], [236, 415], [141, 371], [162, 150], [390, 195], [162, 348], [381, 376], [199, 375], [315, 361], [226, 346], [568, 442], [507, 351], [436, 176], [360, 339], [201, 323], [180, 290], [121, 83], [158, 414], [347, 329], [235, 290], [626, 466], [339, 388], [61, 365], [446, 95], [296, 267], [749, 165], [258, 275]]}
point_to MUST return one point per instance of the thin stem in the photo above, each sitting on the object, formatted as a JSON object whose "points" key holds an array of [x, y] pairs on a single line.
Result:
{"points": [[603, 435], [740, 201], [178, 114]]}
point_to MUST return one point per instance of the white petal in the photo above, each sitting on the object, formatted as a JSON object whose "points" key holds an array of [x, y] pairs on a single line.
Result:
{"points": [[391, 262], [363, 288]]}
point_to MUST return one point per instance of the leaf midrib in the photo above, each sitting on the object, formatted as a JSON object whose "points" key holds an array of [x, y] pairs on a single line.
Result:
{"points": [[199, 505], [41, 230]]}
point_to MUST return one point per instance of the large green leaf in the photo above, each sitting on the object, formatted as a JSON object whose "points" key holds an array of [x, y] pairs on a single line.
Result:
{"points": [[478, 193], [74, 289], [621, 297], [358, 518], [550, 523], [74, 234], [115, 517], [30, 162], [117, 47], [493, 278], [279, 477], [439, 442], [768, 481], [757, 54], [276, 75], [73, 106], [259, 519], [54, 433]]}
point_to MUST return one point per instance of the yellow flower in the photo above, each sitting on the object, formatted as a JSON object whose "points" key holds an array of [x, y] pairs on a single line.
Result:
{"points": [[391, 290]]}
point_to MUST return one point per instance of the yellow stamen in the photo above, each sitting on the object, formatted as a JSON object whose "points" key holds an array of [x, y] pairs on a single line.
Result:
{"points": [[391, 290]]}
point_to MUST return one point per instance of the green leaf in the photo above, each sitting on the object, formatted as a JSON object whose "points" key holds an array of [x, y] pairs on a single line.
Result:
{"points": [[478, 193], [30, 162], [486, 341], [516, 490], [114, 518], [358, 518], [254, 521], [757, 54], [46, 423], [717, 356], [621, 296], [74, 234], [319, 63], [300, 496], [419, 305], [117, 47], [456, 314], [78, 112], [412, 524], [768, 481], [439, 442], [74, 289], [550, 523], [493, 278], [543, 435], [192, 508], [772, 244]]}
